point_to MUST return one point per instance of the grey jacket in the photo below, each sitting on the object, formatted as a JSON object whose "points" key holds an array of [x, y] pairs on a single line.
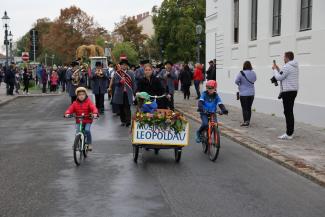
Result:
{"points": [[119, 89], [167, 81], [288, 76]]}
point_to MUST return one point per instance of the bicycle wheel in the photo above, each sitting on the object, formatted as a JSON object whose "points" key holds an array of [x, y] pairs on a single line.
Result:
{"points": [[135, 153], [178, 154], [214, 145], [85, 152], [204, 141], [77, 153]]}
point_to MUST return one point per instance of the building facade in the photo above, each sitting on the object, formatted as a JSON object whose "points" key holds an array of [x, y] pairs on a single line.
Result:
{"points": [[261, 31]]}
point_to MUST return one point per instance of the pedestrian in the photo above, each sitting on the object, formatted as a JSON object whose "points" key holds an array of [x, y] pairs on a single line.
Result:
{"points": [[211, 72], [124, 82], [44, 79], [185, 77], [74, 79], [289, 84], [245, 81], [1, 73], [139, 73], [99, 77], [152, 85], [198, 78], [111, 92], [10, 79], [167, 77], [26, 78], [54, 81]]}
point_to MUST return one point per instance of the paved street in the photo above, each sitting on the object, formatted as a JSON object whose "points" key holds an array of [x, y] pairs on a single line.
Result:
{"points": [[39, 178]]}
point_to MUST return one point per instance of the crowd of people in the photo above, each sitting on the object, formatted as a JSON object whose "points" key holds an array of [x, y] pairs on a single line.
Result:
{"points": [[123, 81]]}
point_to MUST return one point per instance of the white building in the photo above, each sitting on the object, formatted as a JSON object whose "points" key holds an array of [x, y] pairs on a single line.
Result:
{"points": [[261, 31]]}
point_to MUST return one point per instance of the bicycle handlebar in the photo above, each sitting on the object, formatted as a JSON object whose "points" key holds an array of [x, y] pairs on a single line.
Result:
{"points": [[158, 97], [81, 117]]}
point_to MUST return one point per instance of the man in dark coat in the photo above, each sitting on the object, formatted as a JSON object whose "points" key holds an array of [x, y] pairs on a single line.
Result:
{"points": [[10, 79], [167, 77], [125, 86], [99, 87], [71, 84], [211, 73]]}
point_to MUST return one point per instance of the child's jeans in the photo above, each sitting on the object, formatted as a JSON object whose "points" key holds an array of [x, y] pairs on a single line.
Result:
{"points": [[205, 122], [87, 133]]}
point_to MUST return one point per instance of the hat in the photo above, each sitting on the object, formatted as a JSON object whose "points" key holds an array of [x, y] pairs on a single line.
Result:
{"points": [[74, 63], [81, 89], [211, 61], [142, 62], [168, 62], [98, 64], [143, 95], [124, 61]]}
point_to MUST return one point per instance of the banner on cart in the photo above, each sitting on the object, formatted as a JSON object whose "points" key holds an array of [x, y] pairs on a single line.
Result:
{"points": [[145, 134]]}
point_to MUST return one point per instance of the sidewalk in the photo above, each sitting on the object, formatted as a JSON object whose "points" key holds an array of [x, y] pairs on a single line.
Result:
{"points": [[34, 92], [305, 154]]}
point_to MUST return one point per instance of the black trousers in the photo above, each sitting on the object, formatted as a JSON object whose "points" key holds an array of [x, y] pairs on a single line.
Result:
{"points": [[99, 102], [26, 83], [288, 99], [125, 110], [246, 105], [186, 91], [44, 88]]}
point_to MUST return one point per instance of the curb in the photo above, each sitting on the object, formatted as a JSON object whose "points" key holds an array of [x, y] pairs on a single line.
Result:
{"points": [[8, 100], [293, 164]]}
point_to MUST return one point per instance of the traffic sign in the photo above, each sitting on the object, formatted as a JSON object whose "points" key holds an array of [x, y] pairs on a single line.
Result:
{"points": [[25, 56]]}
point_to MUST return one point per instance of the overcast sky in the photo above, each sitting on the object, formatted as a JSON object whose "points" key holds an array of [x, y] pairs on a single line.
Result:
{"points": [[24, 13]]}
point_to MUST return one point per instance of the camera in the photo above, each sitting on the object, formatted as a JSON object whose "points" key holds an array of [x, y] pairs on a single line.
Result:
{"points": [[274, 81]]}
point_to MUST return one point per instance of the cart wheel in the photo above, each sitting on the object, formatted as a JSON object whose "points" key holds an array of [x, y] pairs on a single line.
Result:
{"points": [[156, 151], [135, 153], [178, 154]]}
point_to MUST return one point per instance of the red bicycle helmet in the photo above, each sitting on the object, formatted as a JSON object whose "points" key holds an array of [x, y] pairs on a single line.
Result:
{"points": [[211, 83]]}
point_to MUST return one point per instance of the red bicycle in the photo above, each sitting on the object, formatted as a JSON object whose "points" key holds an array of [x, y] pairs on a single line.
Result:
{"points": [[210, 137]]}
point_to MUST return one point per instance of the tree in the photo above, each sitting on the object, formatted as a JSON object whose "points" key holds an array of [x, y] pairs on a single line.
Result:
{"points": [[130, 31], [125, 48], [175, 23], [63, 35]]}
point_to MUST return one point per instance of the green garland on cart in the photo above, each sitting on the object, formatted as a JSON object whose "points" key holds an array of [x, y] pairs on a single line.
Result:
{"points": [[173, 120]]}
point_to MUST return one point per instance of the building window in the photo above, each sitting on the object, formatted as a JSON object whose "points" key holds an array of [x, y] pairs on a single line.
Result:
{"points": [[276, 29], [236, 21], [254, 20], [306, 14]]}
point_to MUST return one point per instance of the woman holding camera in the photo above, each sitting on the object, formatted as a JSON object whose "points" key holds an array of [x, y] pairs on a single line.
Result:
{"points": [[245, 81]]}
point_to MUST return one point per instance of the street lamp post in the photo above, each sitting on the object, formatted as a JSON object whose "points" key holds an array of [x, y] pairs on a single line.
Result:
{"points": [[5, 20], [10, 46], [198, 29], [161, 42]]}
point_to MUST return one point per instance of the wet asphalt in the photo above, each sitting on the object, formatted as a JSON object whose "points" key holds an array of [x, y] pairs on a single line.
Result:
{"points": [[39, 178]]}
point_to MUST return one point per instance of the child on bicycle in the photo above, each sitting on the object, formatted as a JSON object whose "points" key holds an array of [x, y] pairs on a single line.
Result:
{"points": [[208, 103], [83, 106], [144, 103]]}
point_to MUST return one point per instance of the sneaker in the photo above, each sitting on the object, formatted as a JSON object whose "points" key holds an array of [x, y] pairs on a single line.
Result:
{"points": [[198, 137], [285, 137], [89, 147], [245, 124]]}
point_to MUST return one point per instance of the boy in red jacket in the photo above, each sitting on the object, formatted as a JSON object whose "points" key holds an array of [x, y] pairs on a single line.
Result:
{"points": [[83, 105]]}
